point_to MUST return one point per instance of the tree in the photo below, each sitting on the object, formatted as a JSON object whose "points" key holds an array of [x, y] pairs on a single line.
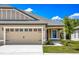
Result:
{"points": [[69, 25], [75, 22]]}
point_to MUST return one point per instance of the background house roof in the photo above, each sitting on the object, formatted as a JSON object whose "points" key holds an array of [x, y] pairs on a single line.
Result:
{"points": [[30, 18]]}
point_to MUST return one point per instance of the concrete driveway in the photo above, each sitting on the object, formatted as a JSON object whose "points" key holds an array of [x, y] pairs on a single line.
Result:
{"points": [[21, 49]]}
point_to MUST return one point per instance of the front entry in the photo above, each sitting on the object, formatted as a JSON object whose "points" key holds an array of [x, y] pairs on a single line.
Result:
{"points": [[54, 35]]}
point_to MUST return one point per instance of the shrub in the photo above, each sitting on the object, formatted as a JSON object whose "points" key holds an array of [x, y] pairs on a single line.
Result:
{"points": [[66, 42], [49, 42], [75, 42]]}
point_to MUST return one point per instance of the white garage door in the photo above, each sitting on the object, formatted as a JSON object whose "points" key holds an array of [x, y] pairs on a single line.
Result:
{"points": [[23, 36]]}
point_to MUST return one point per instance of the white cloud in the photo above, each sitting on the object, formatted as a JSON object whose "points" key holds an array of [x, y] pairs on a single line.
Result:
{"points": [[56, 18], [75, 15], [29, 9]]}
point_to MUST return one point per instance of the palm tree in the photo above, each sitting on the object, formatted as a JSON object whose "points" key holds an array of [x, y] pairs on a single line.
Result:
{"points": [[69, 26]]}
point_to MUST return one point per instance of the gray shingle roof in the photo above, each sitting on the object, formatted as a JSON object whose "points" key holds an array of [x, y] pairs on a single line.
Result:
{"points": [[56, 22], [48, 21]]}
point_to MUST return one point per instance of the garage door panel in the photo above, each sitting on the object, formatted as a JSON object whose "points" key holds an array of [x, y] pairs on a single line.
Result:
{"points": [[33, 37]]}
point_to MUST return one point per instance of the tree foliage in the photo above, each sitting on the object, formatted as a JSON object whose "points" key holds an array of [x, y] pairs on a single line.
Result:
{"points": [[69, 25]]}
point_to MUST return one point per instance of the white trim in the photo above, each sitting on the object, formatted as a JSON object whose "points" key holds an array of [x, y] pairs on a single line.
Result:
{"points": [[1, 40], [20, 27], [4, 36], [23, 27], [51, 33], [54, 38], [42, 35], [74, 35]]}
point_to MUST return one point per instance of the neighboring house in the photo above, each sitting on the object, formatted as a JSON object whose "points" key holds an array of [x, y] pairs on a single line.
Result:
{"points": [[21, 27], [75, 35]]}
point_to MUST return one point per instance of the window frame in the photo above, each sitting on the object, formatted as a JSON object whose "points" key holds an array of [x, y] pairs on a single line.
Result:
{"points": [[35, 30], [21, 29], [26, 30], [30, 29], [16, 29], [11, 29]]}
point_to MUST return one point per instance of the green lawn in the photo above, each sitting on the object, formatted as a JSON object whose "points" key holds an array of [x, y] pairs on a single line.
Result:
{"points": [[72, 48]]}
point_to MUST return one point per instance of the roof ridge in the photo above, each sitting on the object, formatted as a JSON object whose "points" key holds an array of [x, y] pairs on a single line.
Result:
{"points": [[33, 15]]}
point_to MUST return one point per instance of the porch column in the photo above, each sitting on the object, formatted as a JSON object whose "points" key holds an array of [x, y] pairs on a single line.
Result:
{"points": [[64, 34], [44, 35], [49, 34]]}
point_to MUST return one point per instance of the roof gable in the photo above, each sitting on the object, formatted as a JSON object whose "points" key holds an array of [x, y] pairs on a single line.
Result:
{"points": [[11, 13]]}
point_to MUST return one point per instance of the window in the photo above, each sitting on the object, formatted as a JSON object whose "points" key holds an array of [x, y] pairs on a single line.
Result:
{"points": [[39, 29], [54, 34], [7, 29], [26, 29], [35, 29], [78, 33], [12, 30], [16, 29], [30, 29], [75, 34], [21, 30]]}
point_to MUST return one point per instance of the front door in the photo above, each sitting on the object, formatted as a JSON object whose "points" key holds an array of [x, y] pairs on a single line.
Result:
{"points": [[54, 34]]}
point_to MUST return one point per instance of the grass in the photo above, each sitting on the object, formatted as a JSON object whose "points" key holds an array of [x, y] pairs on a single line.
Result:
{"points": [[73, 47]]}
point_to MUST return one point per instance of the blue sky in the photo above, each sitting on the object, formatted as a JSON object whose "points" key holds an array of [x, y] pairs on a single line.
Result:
{"points": [[50, 10]]}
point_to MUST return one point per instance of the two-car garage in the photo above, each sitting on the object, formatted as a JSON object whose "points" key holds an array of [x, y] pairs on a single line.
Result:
{"points": [[23, 35]]}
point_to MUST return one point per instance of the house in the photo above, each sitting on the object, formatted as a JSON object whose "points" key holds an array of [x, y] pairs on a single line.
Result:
{"points": [[22, 27], [75, 35]]}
